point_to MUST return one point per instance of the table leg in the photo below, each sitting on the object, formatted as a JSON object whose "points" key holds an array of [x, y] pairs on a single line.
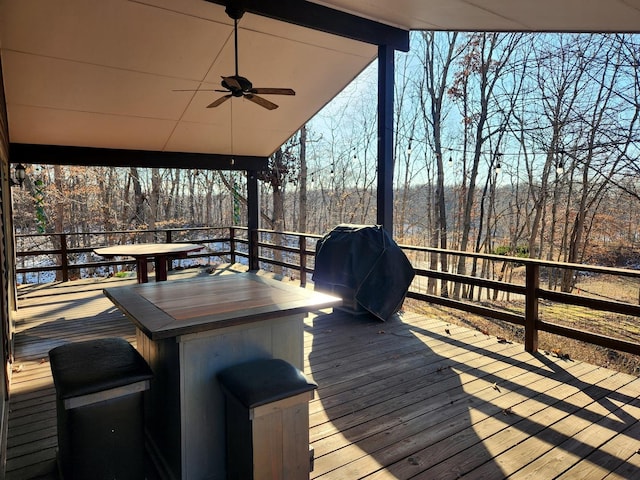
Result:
{"points": [[141, 269], [161, 267]]}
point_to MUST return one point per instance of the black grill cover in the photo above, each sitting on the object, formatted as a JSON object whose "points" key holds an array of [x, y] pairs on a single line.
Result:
{"points": [[366, 261]]}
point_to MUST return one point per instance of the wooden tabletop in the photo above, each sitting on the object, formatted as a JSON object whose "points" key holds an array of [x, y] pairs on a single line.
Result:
{"points": [[165, 310], [147, 249]]}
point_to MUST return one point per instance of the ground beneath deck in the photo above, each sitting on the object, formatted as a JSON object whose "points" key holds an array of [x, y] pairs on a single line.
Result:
{"points": [[413, 397]]}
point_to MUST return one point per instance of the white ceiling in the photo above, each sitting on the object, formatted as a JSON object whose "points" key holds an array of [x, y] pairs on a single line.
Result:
{"points": [[102, 73], [499, 15]]}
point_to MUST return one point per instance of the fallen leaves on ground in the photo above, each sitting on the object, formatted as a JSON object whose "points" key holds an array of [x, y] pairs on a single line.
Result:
{"points": [[560, 354]]}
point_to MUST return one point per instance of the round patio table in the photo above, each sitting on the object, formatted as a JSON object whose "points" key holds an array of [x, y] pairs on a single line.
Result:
{"points": [[161, 253]]}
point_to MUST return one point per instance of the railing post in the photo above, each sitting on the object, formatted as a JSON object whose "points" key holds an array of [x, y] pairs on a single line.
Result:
{"points": [[531, 307], [232, 244], [168, 239], [302, 246], [254, 263], [65, 259]]}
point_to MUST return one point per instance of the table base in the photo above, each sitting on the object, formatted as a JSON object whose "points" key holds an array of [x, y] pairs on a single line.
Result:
{"points": [[185, 410]]}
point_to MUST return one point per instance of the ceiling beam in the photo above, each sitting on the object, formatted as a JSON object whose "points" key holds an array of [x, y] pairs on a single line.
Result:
{"points": [[111, 157], [328, 20]]}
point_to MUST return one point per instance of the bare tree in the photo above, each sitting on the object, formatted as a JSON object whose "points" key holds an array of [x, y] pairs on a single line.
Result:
{"points": [[440, 52], [486, 58]]}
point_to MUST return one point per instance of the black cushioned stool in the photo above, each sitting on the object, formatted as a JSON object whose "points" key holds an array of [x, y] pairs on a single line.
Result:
{"points": [[99, 386], [267, 417]]}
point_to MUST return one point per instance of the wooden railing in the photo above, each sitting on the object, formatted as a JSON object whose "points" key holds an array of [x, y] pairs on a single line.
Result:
{"points": [[292, 254], [530, 290], [68, 254]]}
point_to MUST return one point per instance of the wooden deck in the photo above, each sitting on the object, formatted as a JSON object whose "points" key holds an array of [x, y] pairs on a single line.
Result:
{"points": [[410, 398]]}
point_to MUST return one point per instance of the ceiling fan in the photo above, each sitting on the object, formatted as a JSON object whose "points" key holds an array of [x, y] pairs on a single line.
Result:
{"points": [[238, 86]]}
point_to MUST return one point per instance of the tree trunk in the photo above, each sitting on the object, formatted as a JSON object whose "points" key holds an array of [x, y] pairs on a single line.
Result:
{"points": [[302, 204], [137, 218], [154, 199]]}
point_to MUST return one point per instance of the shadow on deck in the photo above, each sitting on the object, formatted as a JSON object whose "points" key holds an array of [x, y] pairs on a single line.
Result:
{"points": [[413, 397]]}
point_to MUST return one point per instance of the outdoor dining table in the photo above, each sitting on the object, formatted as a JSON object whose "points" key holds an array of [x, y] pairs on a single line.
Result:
{"points": [[190, 330], [144, 252]]}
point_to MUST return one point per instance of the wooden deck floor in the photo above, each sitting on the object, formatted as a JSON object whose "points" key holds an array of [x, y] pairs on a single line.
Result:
{"points": [[409, 398]]}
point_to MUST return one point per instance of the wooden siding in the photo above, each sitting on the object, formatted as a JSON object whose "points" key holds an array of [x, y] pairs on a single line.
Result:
{"points": [[410, 398], [7, 300]]}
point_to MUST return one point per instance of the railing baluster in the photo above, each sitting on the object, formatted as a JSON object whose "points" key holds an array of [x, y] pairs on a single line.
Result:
{"points": [[64, 257], [531, 307], [302, 245], [254, 262], [232, 244], [168, 239]]}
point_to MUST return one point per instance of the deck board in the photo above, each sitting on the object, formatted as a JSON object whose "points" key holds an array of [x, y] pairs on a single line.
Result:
{"points": [[411, 398]]}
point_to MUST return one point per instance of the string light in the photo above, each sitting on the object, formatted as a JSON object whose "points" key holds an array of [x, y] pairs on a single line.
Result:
{"points": [[560, 165], [498, 164]]}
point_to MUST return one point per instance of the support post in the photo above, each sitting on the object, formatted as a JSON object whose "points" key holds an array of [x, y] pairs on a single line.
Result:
{"points": [[386, 71], [253, 209], [531, 308]]}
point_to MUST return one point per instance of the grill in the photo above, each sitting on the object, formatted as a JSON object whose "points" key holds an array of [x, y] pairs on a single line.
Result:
{"points": [[365, 267]]}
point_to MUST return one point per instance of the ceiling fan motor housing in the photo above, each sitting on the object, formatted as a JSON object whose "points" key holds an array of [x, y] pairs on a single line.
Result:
{"points": [[244, 84]]}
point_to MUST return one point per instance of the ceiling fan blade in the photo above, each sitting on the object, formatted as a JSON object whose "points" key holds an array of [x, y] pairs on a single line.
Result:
{"points": [[263, 102], [232, 83], [219, 101], [197, 90], [273, 91]]}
